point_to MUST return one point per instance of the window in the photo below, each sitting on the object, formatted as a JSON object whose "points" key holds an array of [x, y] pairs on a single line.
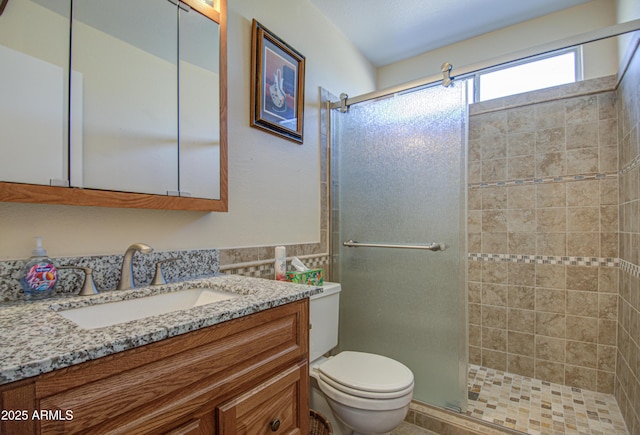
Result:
{"points": [[540, 72]]}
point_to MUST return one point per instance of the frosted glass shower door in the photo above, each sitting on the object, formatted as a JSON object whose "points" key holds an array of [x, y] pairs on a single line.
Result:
{"points": [[399, 178]]}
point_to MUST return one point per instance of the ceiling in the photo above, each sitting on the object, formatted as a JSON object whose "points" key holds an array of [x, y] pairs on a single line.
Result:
{"points": [[387, 31]]}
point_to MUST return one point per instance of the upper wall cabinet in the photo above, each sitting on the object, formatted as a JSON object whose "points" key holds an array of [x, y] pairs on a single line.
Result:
{"points": [[137, 120]]}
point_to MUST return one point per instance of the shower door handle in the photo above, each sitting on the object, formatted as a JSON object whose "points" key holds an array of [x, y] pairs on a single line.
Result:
{"points": [[435, 246]]}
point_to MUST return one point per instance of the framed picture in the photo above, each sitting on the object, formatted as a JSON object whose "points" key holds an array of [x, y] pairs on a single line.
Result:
{"points": [[277, 85]]}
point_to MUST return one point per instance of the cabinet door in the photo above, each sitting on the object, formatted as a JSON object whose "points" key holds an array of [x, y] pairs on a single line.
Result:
{"points": [[124, 95], [34, 59], [277, 406]]}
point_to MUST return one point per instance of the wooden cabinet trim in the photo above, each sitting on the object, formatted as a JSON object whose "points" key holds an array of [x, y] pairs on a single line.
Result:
{"points": [[37, 194]]}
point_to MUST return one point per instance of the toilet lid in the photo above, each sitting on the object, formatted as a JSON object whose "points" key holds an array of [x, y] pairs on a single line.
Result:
{"points": [[367, 372]]}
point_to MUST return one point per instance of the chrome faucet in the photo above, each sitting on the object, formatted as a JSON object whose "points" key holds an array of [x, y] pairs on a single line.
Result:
{"points": [[126, 273]]}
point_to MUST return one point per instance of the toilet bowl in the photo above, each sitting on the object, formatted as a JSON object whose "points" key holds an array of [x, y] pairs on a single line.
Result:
{"points": [[366, 393]]}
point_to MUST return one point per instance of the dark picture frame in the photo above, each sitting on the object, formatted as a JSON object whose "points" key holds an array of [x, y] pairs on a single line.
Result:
{"points": [[277, 85]]}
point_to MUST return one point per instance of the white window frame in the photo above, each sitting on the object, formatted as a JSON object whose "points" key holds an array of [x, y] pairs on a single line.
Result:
{"points": [[579, 74]]}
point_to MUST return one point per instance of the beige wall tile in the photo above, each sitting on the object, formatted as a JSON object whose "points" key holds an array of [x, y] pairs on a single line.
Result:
{"points": [[521, 365], [551, 164], [581, 136], [582, 303], [494, 242], [522, 274], [549, 371], [551, 195], [496, 294], [521, 197], [494, 198], [497, 273], [581, 354], [581, 377], [522, 243], [551, 220], [551, 244], [549, 115], [521, 320], [550, 300], [494, 359], [521, 344], [521, 297], [550, 349], [583, 219], [583, 244], [584, 329], [494, 339], [550, 324], [521, 144], [582, 278], [494, 317], [521, 119], [521, 167], [581, 110], [551, 276]]}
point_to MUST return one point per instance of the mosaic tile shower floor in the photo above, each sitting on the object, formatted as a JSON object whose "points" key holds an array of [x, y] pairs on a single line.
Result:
{"points": [[537, 407]]}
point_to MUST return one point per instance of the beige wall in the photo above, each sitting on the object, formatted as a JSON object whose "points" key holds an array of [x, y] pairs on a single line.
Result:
{"points": [[552, 27], [274, 187]]}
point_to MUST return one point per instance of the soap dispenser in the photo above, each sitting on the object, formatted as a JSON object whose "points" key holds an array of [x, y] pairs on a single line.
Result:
{"points": [[40, 275]]}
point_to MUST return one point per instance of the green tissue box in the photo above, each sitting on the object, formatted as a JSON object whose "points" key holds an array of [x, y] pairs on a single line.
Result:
{"points": [[309, 277]]}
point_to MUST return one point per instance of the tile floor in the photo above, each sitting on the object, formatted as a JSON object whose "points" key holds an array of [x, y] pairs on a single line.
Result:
{"points": [[537, 407], [411, 429]]}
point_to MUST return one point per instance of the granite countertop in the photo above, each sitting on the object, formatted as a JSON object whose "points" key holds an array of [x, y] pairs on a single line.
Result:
{"points": [[35, 339]]}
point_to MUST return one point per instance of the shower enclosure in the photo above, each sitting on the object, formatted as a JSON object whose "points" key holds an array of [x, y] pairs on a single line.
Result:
{"points": [[399, 234]]}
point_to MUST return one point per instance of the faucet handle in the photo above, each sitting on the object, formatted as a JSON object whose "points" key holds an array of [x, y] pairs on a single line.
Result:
{"points": [[158, 278], [88, 286]]}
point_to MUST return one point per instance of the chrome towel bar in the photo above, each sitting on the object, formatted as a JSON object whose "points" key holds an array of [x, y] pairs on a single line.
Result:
{"points": [[430, 247]]}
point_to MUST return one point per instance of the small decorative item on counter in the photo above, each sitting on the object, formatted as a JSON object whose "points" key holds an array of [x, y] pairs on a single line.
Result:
{"points": [[304, 275], [40, 275], [281, 263], [309, 277]]}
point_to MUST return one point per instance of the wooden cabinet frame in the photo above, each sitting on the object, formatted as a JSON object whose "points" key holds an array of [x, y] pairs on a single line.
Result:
{"points": [[175, 385]]}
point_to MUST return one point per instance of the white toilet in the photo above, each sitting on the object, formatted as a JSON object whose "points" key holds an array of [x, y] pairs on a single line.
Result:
{"points": [[361, 393]]}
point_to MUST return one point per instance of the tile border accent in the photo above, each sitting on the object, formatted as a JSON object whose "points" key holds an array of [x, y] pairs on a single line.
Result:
{"points": [[547, 259], [265, 268], [562, 179], [631, 165], [630, 268]]}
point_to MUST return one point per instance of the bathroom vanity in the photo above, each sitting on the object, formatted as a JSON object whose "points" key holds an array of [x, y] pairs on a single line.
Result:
{"points": [[235, 366]]}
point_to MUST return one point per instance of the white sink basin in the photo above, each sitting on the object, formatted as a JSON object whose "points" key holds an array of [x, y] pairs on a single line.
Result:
{"points": [[113, 313]]}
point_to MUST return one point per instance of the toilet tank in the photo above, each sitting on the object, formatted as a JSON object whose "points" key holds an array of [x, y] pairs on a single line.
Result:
{"points": [[323, 317]]}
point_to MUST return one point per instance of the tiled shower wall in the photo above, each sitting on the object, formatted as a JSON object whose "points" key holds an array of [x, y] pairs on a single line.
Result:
{"points": [[543, 234], [627, 383]]}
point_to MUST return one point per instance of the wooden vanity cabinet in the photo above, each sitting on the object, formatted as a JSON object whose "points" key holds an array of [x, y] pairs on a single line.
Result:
{"points": [[244, 376]]}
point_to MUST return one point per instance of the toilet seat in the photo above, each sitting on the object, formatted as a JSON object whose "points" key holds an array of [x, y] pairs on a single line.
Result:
{"points": [[367, 375], [363, 403], [366, 394]]}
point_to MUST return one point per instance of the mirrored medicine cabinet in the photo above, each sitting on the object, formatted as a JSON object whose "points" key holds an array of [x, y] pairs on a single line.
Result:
{"points": [[115, 104]]}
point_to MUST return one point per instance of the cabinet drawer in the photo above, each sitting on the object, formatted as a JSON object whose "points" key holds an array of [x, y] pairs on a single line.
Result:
{"points": [[273, 407]]}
